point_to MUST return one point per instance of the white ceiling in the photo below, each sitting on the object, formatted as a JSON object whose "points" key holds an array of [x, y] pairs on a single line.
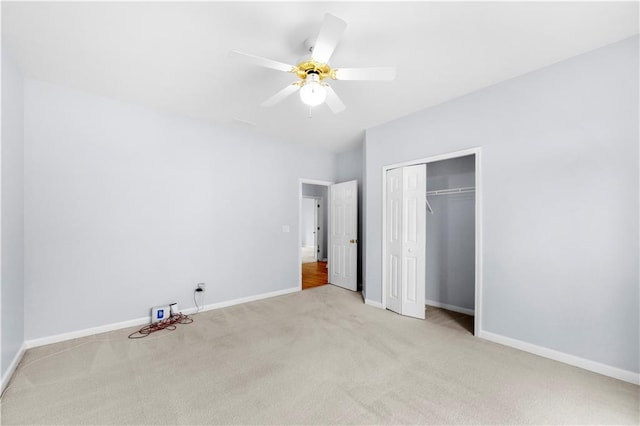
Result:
{"points": [[174, 56]]}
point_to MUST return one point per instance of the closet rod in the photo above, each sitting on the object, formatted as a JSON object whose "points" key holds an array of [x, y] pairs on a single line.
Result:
{"points": [[452, 191]]}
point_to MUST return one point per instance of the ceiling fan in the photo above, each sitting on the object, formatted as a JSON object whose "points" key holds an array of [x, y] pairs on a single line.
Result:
{"points": [[314, 69]]}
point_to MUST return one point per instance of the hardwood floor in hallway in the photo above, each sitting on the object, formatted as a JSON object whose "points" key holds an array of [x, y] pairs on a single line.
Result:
{"points": [[314, 274]]}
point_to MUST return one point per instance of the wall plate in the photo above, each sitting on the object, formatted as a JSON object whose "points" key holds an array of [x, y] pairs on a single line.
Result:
{"points": [[160, 313]]}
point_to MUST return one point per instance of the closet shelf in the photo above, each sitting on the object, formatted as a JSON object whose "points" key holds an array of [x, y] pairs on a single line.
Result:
{"points": [[451, 191]]}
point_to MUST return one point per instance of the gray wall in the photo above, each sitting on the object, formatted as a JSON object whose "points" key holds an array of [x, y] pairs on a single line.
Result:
{"points": [[12, 213], [320, 191], [450, 248], [349, 166], [128, 208], [559, 168]]}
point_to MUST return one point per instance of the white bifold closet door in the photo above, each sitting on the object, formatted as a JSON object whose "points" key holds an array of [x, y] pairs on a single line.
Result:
{"points": [[406, 240]]}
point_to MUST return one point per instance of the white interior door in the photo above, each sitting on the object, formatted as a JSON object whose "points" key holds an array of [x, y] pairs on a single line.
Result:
{"points": [[414, 237], [343, 235], [319, 229], [394, 240], [316, 253], [406, 240]]}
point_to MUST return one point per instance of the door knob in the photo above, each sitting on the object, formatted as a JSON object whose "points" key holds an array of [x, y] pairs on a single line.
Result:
{"points": [[353, 241]]}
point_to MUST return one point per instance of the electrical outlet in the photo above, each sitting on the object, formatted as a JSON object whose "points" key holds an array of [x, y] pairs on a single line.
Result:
{"points": [[160, 313], [201, 287]]}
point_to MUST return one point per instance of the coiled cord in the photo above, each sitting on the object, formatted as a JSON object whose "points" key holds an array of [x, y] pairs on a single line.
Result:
{"points": [[165, 324]]}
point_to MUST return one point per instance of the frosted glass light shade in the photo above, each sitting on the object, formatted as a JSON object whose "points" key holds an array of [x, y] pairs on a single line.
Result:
{"points": [[312, 92]]}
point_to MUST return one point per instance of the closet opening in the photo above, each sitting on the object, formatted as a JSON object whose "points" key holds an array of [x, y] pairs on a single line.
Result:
{"points": [[431, 240], [450, 243]]}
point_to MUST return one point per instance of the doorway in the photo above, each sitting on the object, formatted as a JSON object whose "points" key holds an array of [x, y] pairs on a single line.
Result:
{"points": [[431, 239], [450, 242], [338, 253], [314, 234]]}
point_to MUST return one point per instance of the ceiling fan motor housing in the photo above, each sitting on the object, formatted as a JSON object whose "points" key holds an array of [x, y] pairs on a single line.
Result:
{"points": [[312, 67]]}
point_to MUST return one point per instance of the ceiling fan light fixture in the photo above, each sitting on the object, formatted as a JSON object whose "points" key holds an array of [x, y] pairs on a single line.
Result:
{"points": [[313, 69], [312, 92]]}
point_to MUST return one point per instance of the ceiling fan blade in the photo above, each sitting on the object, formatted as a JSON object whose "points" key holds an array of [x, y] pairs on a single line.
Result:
{"points": [[263, 62], [328, 38], [378, 73], [281, 95], [333, 101]]}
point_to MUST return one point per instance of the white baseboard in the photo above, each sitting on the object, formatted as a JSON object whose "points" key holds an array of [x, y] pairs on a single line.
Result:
{"points": [[227, 303], [142, 321], [6, 377], [373, 303], [596, 367], [450, 307], [34, 343]]}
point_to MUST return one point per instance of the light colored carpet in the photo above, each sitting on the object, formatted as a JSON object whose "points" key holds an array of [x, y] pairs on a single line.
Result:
{"points": [[308, 255], [314, 357]]}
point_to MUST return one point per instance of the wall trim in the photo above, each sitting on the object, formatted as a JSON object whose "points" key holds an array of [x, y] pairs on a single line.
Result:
{"points": [[56, 338], [593, 366], [33, 343], [373, 303], [6, 377], [450, 307], [239, 301]]}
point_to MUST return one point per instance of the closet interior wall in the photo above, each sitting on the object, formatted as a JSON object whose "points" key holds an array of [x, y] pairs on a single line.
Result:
{"points": [[450, 242]]}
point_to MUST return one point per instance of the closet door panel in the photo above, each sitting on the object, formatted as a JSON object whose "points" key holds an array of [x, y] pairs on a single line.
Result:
{"points": [[394, 240], [414, 192]]}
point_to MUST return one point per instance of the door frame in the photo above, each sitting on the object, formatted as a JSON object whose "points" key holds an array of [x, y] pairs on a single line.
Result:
{"points": [[328, 239], [478, 224]]}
